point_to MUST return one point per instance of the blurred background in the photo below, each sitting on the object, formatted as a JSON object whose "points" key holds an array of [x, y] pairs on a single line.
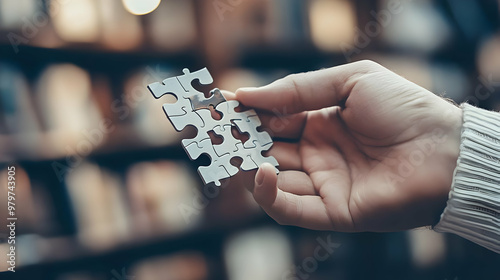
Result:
{"points": [[104, 189]]}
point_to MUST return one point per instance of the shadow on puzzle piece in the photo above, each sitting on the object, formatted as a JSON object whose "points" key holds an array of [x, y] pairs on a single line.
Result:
{"points": [[193, 108]]}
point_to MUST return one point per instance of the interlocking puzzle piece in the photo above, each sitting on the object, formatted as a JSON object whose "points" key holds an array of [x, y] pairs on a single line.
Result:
{"points": [[194, 150], [202, 75], [229, 114], [200, 102], [250, 126], [253, 158], [213, 172], [171, 86], [192, 108], [187, 118], [202, 131], [228, 146], [179, 108], [168, 86]]}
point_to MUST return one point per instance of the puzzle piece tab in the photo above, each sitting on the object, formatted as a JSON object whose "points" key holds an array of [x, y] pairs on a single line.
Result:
{"points": [[186, 80], [229, 143], [168, 86], [200, 102], [229, 114], [213, 172], [250, 126], [187, 118]]}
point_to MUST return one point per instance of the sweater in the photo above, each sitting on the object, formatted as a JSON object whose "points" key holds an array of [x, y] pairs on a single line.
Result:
{"points": [[473, 207]]}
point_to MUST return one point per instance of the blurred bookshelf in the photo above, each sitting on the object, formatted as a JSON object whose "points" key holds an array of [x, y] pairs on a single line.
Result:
{"points": [[102, 178]]}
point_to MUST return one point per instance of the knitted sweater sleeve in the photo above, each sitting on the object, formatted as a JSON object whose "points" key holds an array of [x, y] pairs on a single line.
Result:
{"points": [[473, 207]]}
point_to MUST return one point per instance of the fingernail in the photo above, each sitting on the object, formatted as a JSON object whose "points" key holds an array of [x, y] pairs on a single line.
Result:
{"points": [[259, 178]]}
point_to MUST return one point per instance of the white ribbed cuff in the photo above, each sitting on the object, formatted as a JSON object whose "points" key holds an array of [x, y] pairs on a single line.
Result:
{"points": [[473, 207]]}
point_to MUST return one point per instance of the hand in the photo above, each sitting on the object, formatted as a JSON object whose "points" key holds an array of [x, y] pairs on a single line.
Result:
{"points": [[362, 149]]}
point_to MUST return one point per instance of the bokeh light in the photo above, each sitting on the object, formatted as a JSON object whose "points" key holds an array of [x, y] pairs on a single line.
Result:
{"points": [[141, 7], [332, 23]]}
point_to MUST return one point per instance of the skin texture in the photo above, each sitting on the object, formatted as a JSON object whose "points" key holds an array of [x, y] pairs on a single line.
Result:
{"points": [[360, 149]]}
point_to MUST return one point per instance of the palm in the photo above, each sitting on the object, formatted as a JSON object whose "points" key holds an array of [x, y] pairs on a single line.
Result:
{"points": [[358, 183]]}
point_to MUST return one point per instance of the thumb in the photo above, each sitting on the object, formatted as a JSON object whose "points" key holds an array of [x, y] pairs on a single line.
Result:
{"points": [[265, 190]]}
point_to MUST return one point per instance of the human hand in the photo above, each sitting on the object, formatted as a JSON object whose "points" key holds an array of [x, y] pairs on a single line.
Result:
{"points": [[362, 149]]}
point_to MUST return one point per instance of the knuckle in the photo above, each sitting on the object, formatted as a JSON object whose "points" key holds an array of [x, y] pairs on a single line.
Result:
{"points": [[369, 65]]}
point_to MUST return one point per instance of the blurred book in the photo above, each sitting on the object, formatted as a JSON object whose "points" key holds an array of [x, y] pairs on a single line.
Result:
{"points": [[99, 204], [163, 198], [233, 27], [180, 266], [71, 120], [262, 253], [172, 26], [120, 30], [13, 14], [19, 129], [415, 26]]}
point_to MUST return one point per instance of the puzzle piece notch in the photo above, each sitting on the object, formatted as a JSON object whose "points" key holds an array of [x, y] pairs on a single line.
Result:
{"points": [[187, 118], [212, 172], [253, 158], [179, 108], [258, 141], [202, 132], [195, 149], [181, 87], [228, 146], [229, 114], [199, 101], [167, 86], [256, 137], [202, 75]]}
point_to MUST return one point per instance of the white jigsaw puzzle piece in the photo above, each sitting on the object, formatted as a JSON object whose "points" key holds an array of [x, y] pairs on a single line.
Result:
{"points": [[188, 118], [168, 86], [253, 158], [229, 114], [202, 75], [195, 149], [178, 108], [212, 172], [200, 102], [228, 146], [255, 137], [201, 131], [171, 86]]}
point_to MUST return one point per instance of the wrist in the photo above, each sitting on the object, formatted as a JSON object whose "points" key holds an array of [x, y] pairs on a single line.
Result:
{"points": [[448, 151]]}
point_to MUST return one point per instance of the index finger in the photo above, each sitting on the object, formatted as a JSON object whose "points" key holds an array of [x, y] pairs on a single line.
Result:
{"points": [[306, 91]]}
